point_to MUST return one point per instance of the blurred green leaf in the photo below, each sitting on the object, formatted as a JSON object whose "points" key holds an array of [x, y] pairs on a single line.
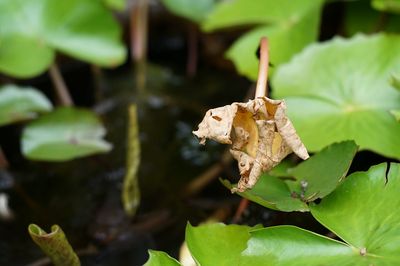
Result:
{"points": [[273, 193], [64, 134], [323, 172], [217, 243], [159, 258], [119, 5], [21, 103], [55, 245], [387, 5], [32, 29], [395, 82], [359, 17], [242, 12], [130, 188], [396, 114], [23, 56], [189, 9], [289, 26], [349, 97]]}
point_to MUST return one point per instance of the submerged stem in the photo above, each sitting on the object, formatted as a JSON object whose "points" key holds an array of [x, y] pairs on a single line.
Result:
{"points": [[261, 89], [60, 86]]}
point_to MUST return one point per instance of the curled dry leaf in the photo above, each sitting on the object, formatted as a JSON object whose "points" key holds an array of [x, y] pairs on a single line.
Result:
{"points": [[260, 133]]}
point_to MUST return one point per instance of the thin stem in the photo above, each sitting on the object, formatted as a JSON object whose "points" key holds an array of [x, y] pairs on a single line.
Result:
{"points": [[60, 86], [139, 28], [244, 203], [139, 25], [261, 89]]}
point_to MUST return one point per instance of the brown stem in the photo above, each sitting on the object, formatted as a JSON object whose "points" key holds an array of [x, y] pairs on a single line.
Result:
{"points": [[60, 86], [244, 203], [261, 89], [139, 24]]}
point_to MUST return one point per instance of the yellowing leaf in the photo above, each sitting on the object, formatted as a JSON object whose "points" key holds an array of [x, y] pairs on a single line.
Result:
{"points": [[260, 134]]}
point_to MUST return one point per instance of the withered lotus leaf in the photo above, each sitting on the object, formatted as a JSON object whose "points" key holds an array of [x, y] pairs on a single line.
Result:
{"points": [[259, 132]]}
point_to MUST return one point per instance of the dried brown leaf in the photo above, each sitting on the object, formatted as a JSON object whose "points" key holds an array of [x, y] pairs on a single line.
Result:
{"points": [[259, 132]]}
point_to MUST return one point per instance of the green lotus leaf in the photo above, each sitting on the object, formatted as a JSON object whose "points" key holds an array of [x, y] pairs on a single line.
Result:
{"points": [[189, 9], [323, 172], [32, 30], [159, 258], [387, 5], [64, 134], [339, 90], [314, 178], [21, 103], [289, 26], [362, 212], [273, 193], [217, 243], [359, 17], [116, 4]]}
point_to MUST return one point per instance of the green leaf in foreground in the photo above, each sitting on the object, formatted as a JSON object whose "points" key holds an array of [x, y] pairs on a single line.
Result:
{"points": [[189, 9], [159, 258], [314, 178], [217, 243], [64, 134], [33, 29], [273, 193], [289, 26], [18, 104], [323, 172], [362, 212], [387, 5], [55, 245], [349, 97], [130, 188], [293, 246]]}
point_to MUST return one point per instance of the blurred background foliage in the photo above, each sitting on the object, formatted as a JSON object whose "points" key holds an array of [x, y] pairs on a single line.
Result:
{"points": [[70, 69]]}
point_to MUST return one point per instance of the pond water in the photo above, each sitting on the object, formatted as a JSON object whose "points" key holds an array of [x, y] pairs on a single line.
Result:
{"points": [[83, 195]]}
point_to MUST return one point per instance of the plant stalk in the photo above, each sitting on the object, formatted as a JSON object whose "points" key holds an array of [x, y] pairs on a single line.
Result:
{"points": [[139, 28], [139, 25], [261, 89], [60, 86]]}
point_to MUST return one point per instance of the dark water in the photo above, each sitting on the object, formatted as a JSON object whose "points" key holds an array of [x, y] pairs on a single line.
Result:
{"points": [[83, 195]]}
